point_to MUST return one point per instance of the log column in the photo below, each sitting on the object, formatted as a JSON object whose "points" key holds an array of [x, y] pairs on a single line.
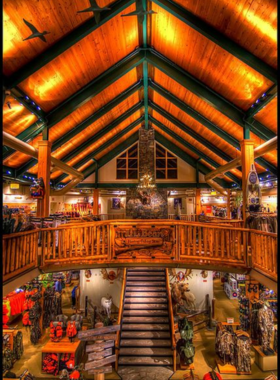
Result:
{"points": [[197, 202], [44, 168], [228, 204], [95, 201], [247, 159]]}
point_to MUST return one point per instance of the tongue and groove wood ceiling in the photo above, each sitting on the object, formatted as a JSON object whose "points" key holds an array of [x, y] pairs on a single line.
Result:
{"points": [[196, 71]]}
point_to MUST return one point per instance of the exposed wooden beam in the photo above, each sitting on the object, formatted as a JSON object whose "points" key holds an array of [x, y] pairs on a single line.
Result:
{"points": [[204, 92], [113, 153], [183, 127], [192, 148], [91, 156], [207, 123], [185, 157], [88, 142], [66, 42], [81, 97], [168, 185], [145, 66], [219, 38]]}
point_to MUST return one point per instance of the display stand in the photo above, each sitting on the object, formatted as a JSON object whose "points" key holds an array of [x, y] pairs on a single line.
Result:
{"points": [[64, 346], [186, 366], [228, 368], [264, 362], [12, 334]]}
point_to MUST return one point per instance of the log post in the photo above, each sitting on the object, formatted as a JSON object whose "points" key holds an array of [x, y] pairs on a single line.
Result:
{"points": [[44, 166], [228, 204], [197, 202], [247, 159], [95, 201]]}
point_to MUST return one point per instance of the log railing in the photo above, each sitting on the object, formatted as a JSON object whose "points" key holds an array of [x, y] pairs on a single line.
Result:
{"points": [[117, 342], [141, 241], [20, 253], [171, 316]]}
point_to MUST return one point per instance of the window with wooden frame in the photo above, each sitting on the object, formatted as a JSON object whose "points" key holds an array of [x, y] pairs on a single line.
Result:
{"points": [[166, 164], [127, 164]]}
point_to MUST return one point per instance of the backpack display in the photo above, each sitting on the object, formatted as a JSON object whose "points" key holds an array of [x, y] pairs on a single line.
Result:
{"points": [[56, 331]]}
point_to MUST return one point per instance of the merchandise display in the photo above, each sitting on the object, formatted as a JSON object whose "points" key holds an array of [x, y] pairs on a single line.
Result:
{"points": [[185, 345], [34, 315], [266, 326], [244, 310]]}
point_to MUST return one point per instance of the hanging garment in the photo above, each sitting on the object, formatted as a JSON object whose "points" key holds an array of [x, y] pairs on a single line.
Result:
{"points": [[266, 325], [243, 353], [56, 331], [71, 330]]}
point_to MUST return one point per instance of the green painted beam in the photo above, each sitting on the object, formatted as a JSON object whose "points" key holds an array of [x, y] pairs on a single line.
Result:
{"points": [[183, 127], [88, 142], [197, 87], [207, 123], [219, 38], [8, 172], [262, 102], [167, 185], [113, 153], [185, 157], [97, 115], [27, 102], [194, 114], [66, 42], [145, 67], [260, 130], [192, 148], [95, 87], [91, 156], [82, 96]]}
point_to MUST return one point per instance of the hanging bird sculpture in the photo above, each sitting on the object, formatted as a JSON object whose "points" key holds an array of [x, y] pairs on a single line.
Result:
{"points": [[95, 9], [35, 32], [140, 12]]}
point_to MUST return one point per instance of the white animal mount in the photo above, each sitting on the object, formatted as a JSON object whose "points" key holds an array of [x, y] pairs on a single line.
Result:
{"points": [[106, 303]]}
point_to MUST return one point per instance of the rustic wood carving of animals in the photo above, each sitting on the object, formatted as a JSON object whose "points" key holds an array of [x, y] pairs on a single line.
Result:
{"points": [[106, 303]]}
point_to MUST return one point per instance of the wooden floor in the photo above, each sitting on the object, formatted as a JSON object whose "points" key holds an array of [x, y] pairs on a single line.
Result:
{"points": [[145, 330]]}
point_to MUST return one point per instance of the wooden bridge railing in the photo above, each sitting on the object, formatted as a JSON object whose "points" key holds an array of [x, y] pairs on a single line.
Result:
{"points": [[20, 253], [157, 241]]}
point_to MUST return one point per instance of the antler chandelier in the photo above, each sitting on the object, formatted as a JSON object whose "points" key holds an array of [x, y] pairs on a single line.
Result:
{"points": [[146, 182]]}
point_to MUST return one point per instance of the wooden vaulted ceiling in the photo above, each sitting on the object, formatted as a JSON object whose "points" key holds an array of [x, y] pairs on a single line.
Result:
{"points": [[208, 63]]}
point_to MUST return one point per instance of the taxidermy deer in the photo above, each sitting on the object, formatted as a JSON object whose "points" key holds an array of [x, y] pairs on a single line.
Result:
{"points": [[188, 297], [106, 303]]}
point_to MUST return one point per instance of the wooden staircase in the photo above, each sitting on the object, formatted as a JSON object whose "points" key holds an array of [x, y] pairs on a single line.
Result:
{"points": [[145, 328]]}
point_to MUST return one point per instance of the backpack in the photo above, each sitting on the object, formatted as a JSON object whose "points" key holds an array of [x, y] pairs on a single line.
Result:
{"points": [[71, 330]]}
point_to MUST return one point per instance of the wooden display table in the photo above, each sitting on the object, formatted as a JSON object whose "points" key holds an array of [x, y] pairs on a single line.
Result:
{"points": [[64, 346], [228, 368], [266, 363]]}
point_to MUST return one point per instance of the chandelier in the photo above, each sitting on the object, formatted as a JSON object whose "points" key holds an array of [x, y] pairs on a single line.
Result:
{"points": [[146, 182]]}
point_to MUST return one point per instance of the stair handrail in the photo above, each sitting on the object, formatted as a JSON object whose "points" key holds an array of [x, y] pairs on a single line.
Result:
{"points": [[117, 341], [173, 340]]}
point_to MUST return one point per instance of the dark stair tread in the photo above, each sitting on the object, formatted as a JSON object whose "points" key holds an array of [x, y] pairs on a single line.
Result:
{"points": [[145, 319], [145, 334], [143, 278], [145, 343], [145, 294], [144, 327], [145, 273], [145, 283], [144, 300], [155, 360], [143, 306], [145, 289], [145, 351], [146, 313]]}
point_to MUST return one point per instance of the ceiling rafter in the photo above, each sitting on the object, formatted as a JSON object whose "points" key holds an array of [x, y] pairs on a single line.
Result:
{"points": [[105, 145], [24, 136], [183, 127], [185, 157], [255, 108], [219, 38], [88, 142], [204, 92], [65, 43], [207, 123], [192, 148]]}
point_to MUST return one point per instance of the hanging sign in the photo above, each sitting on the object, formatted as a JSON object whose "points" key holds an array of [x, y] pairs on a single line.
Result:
{"points": [[230, 320], [14, 186]]}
